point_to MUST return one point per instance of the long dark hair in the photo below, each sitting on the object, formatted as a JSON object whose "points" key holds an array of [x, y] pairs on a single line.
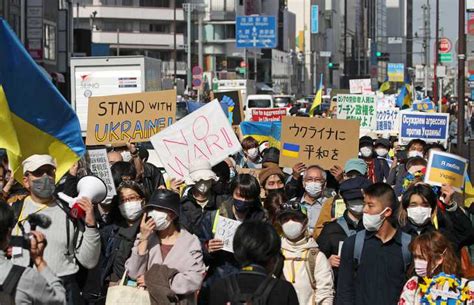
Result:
{"points": [[422, 190]]}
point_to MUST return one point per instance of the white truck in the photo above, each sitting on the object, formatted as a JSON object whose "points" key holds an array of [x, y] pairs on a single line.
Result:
{"points": [[246, 87], [111, 75]]}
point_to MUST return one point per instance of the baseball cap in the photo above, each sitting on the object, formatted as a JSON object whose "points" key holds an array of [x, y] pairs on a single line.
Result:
{"points": [[357, 165], [200, 170], [352, 188], [34, 162]]}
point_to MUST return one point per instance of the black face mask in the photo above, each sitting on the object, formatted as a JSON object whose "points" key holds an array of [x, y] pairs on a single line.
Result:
{"points": [[242, 206]]}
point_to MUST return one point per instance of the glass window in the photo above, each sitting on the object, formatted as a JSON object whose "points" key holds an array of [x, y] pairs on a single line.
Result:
{"points": [[259, 103], [49, 47]]}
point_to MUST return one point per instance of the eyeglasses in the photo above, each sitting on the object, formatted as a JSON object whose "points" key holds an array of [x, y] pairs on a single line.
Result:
{"points": [[131, 198], [309, 179]]}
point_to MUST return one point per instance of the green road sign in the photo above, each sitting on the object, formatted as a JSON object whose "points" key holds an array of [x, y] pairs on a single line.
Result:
{"points": [[446, 57]]}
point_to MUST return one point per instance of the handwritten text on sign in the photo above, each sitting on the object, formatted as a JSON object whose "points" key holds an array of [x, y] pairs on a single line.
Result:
{"points": [[430, 127], [99, 165], [204, 134], [268, 114], [358, 107], [129, 117], [225, 231], [318, 141]]}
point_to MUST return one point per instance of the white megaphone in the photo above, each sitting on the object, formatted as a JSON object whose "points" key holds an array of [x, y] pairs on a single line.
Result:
{"points": [[90, 187]]}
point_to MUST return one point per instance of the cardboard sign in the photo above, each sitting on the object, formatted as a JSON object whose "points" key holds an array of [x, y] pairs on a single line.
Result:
{"points": [[430, 127], [387, 120], [203, 134], [358, 107], [225, 231], [268, 114], [360, 86], [229, 97], [99, 165], [129, 117], [446, 168], [325, 142]]}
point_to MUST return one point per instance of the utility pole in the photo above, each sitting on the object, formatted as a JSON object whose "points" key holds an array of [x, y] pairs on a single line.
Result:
{"points": [[187, 8], [435, 85], [461, 66], [118, 42], [426, 41], [175, 53], [409, 41]]}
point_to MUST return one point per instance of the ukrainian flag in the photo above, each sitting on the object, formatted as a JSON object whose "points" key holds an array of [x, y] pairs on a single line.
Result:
{"points": [[34, 117], [385, 86], [291, 150], [404, 98], [318, 98], [262, 131]]}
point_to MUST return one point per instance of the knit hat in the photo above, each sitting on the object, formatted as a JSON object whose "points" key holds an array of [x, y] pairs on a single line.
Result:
{"points": [[271, 155], [269, 171], [164, 199], [366, 141]]}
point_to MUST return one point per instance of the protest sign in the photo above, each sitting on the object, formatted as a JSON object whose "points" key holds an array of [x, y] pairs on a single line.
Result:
{"points": [[225, 231], [229, 97], [358, 86], [318, 141], [99, 165], [204, 134], [129, 117], [446, 168], [430, 127], [387, 120], [424, 105], [268, 114], [251, 171], [396, 72], [358, 107]]}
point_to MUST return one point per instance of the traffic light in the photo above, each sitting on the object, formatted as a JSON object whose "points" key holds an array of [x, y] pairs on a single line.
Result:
{"points": [[382, 56], [333, 66]]}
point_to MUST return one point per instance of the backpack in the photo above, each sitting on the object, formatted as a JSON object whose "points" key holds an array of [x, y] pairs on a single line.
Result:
{"points": [[258, 297], [359, 245], [341, 221], [310, 265], [8, 288]]}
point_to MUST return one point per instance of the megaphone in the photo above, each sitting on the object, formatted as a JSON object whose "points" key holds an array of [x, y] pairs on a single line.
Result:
{"points": [[90, 187]]}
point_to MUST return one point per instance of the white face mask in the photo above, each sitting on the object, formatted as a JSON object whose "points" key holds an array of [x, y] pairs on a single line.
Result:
{"points": [[161, 220], [131, 210], [372, 223], [356, 207], [419, 215], [314, 189], [292, 229], [252, 153], [415, 153], [366, 152], [126, 155], [381, 152]]}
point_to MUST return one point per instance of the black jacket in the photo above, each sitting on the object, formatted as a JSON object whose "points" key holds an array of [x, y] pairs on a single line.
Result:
{"points": [[152, 178]]}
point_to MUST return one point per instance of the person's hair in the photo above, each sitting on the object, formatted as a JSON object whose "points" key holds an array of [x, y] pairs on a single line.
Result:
{"points": [[122, 168], [386, 195], [249, 142], [7, 221], [353, 173], [416, 141], [222, 171], [247, 185], [422, 190], [323, 172], [430, 146], [256, 242], [434, 246], [273, 204], [280, 175], [135, 186]]}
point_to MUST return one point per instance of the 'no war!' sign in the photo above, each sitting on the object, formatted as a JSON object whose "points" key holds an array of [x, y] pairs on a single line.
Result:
{"points": [[129, 117]]}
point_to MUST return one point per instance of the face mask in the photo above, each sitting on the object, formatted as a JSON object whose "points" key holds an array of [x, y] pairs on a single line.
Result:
{"points": [[314, 189], [292, 229], [421, 267], [131, 210], [355, 207], [43, 187], [419, 215], [232, 174], [126, 155], [381, 152], [366, 152], [203, 186], [161, 220], [241, 206], [373, 223], [252, 153], [415, 153]]}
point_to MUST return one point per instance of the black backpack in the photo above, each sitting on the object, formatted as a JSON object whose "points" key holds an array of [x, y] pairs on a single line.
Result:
{"points": [[8, 288], [258, 297]]}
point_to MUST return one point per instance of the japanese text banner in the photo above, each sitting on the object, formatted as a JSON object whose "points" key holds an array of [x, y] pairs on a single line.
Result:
{"points": [[358, 107], [318, 141]]}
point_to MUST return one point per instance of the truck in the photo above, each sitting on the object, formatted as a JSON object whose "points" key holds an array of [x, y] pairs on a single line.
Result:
{"points": [[111, 75], [246, 87]]}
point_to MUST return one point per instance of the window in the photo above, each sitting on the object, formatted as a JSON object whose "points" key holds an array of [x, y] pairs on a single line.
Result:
{"points": [[49, 46], [259, 103]]}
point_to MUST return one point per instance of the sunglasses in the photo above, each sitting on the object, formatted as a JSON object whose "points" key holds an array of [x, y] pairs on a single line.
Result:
{"points": [[50, 171]]}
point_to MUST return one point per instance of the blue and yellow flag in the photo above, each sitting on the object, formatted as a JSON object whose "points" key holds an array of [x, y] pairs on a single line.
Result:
{"points": [[318, 98], [385, 86], [291, 150], [404, 98], [34, 117], [262, 131]]}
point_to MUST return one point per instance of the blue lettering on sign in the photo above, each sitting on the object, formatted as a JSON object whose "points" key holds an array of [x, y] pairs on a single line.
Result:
{"points": [[449, 164]]}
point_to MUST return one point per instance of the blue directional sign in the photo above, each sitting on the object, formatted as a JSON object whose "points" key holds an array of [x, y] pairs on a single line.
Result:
{"points": [[256, 32], [314, 19]]}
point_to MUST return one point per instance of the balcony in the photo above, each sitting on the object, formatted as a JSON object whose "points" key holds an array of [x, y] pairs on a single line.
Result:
{"points": [[168, 68], [141, 13], [157, 41]]}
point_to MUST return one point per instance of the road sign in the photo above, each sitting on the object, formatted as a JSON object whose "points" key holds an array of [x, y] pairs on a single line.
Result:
{"points": [[314, 19], [256, 32], [446, 57], [197, 70], [325, 53], [197, 82], [445, 45]]}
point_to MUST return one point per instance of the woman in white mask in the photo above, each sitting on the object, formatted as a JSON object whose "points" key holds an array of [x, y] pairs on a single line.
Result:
{"points": [[423, 212], [251, 155], [166, 253], [305, 266], [434, 262]]}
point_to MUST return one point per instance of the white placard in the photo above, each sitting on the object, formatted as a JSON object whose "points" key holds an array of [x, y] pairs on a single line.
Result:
{"points": [[225, 231], [360, 86], [99, 165], [204, 134]]}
